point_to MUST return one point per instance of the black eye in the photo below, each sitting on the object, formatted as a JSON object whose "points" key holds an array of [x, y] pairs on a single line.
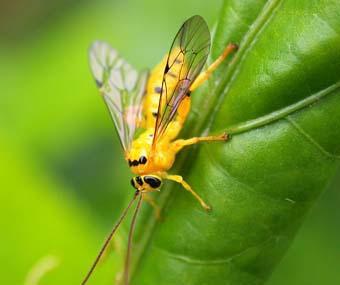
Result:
{"points": [[134, 163], [133, 183], [142, 160], [152, 181], [139, 180]]}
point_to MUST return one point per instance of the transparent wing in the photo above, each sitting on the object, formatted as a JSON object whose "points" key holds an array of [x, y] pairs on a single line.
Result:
{"points": [[186, 58], [122, 88]]}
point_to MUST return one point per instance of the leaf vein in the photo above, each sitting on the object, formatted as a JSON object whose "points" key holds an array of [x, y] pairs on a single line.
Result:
{"points": [[246, 187], [282, 113], [310, 139], [232, 10], [217, 261]]}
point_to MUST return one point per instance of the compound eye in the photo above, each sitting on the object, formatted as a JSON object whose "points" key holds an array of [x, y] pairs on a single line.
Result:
{"points": [[133, 183], [153, 181], [142, 160], [139, 180]]}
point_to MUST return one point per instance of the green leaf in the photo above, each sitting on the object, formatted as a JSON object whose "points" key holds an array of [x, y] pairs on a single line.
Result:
{"points": [[279, 98]]}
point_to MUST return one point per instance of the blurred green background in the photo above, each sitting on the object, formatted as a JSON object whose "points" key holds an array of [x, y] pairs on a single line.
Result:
{"points": [[63, 177]]}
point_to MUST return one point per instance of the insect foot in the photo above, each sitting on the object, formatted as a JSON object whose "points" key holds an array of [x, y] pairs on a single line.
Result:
{"points": [[224, 136], [234, 46], [206, 207]]}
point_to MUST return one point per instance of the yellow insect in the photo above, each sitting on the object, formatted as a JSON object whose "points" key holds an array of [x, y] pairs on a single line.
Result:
{"points": [[149, 111]]}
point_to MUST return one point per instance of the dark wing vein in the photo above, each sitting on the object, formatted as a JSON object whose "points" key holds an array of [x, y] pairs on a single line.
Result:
{"points": [[186, 58]]}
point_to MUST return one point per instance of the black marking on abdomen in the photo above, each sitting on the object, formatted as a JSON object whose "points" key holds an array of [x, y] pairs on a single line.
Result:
{"points": [[158, 90]]}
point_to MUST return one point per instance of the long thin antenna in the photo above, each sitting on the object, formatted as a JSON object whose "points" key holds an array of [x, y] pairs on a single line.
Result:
{"points": [[108, 239], [132, 229]]}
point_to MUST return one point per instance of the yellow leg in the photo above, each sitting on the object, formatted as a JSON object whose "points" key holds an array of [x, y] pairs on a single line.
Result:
{"points": [[205, 74], [147, 198], [186, 186], [179, 144]]}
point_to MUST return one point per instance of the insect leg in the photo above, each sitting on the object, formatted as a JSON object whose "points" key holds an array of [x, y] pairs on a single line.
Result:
{"points": [[205, 74], [179, 144], [179, 179], [147, 198]]}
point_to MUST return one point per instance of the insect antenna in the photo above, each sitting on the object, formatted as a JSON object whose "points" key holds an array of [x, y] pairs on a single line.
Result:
{"points": [[128, 252], [108, 239]]}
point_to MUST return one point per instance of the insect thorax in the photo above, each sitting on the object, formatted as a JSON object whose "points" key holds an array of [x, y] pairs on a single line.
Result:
{"points": [[144, 159]]}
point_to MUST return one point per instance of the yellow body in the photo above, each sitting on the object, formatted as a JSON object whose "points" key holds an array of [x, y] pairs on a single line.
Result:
{"points": [[151, 162]]}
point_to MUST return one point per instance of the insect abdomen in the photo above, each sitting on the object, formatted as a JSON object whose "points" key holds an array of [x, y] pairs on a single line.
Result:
{"points": [[154, 90]]}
